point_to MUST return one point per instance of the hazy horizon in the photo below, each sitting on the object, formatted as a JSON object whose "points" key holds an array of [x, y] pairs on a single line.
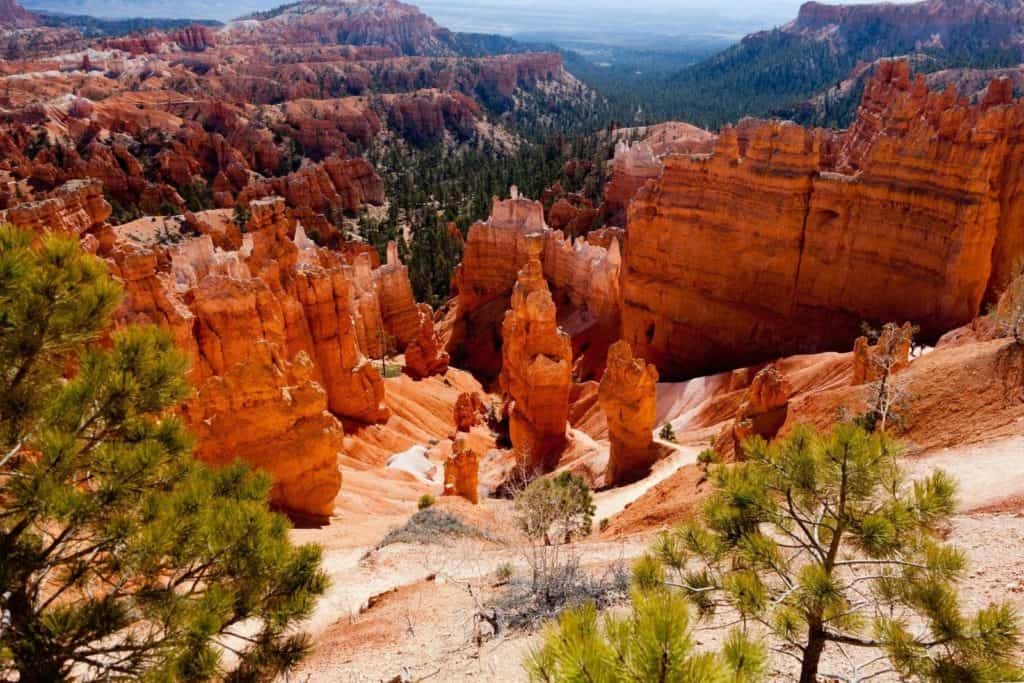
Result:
{"points": [[723, 19]]}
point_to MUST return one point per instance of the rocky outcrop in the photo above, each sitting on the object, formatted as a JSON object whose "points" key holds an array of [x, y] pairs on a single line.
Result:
{"points": [[336, 184], [469, 411], [631, 168], [583, 278], [586, 274], [195, 38], [270, 323], [888, 354], [273, 415], [76, 207], [763, 412], [628, 397], [572, 214], [536, 374], [426, 116], [14, 16], [793, 237], [426, 356], [896, 26], [400, 27], [461, 472]]}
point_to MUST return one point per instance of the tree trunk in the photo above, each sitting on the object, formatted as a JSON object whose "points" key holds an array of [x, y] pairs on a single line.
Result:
{"points": [[812, 656]]}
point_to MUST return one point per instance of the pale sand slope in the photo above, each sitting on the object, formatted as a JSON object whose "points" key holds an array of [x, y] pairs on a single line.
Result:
{"points": [[426, 628]]}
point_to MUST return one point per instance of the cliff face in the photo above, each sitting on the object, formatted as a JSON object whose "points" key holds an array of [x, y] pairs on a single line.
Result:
{"points": [[14, 16], [76, 207], [927, 23], [784, 240], [396, 25], [275, 327]]}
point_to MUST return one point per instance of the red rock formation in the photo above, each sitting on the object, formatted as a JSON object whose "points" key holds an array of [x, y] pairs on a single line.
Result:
{"points": [[763, 412], [637, 162], [469, 411], [628, 397], [241, 314], [195, 38], [272, 415], [631, 168], [889, 352], [426, 356], [426, 116], [336, 184], [401, 27], [583, 277], [13, 15], [399, 312], [461, 472], [536, 374], [494, 252], [76, 207], [572, 214], [790, 243]]}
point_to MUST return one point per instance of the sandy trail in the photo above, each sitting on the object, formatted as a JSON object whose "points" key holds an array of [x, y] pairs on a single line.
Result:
{"points": [[613, 501], [987, 474]]}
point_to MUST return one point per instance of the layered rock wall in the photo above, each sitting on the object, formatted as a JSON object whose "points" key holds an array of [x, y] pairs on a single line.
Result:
{"points": [[269, 322], [785, 240]]}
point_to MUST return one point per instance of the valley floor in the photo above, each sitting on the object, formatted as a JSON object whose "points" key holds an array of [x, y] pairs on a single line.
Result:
{"points": [[406, 612]]}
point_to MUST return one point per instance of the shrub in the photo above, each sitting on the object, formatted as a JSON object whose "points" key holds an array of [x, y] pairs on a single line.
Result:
{"points": [[505, 572], [708, 456], [667, 433], [555, 510], [425, 501], [431, 525]]}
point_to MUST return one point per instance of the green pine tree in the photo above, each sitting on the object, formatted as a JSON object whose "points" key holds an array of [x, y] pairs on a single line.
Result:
{"points": [[120, 555], [651, 643], [822, 541]]}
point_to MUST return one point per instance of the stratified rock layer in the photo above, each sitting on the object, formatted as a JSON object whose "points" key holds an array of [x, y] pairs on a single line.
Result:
{"points": [[426, 356], [270, 322], [628, 397], [784, 240]]}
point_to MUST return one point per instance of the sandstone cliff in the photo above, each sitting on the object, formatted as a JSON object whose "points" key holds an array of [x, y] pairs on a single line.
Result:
{"points": [[268, 319], [784, 240]]}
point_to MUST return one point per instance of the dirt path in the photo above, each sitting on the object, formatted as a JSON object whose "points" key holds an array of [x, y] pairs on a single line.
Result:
{"points": [[613, 501], [987, 474]]}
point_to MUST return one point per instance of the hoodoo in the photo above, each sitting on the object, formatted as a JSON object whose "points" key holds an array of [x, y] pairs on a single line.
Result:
{"points": [[536, 370], [628, 397]]}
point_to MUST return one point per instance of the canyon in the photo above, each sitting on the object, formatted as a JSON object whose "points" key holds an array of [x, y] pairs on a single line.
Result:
{"points": [[717, 291]]}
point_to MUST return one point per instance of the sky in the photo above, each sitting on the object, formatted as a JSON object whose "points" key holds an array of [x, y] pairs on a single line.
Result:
{"points": [[720, 18]]}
